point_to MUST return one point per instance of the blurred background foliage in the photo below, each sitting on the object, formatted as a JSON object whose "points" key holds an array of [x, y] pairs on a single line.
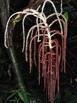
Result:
{"points": [[8, 82]]}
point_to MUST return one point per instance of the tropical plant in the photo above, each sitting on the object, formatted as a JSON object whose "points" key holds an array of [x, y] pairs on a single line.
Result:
{"points": [[17, 96], [44, 44]]}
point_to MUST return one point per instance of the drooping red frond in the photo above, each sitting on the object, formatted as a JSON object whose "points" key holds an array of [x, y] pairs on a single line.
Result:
{"points": [[48, 60]]}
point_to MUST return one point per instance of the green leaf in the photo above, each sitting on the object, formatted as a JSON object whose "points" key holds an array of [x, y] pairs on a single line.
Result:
{"points": [[16, 20], [23, 96], [66, 15], [10, 96]]}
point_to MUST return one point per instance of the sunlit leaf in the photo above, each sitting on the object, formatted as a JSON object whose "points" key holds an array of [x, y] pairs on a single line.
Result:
{"points": [[16, 20]]}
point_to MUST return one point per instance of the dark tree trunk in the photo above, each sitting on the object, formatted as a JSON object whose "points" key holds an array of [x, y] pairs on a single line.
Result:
{"points": [[5, 12], [34, 3]]}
